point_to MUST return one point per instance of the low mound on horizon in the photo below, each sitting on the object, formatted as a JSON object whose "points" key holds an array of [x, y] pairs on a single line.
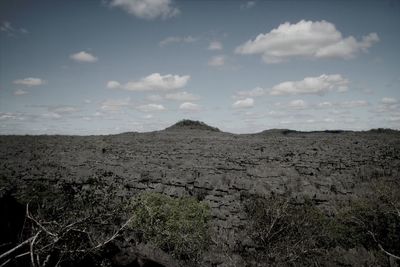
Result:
{"points": [[338, 131], [191, 125], [289, 131]]}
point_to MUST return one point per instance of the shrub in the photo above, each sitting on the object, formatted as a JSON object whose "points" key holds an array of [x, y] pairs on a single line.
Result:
{"points": [[284, 231], [178, 226], [63, 225], [372, 221]]}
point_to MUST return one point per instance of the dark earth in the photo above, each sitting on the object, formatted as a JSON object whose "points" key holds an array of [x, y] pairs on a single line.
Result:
{"points": [[222, 169]]}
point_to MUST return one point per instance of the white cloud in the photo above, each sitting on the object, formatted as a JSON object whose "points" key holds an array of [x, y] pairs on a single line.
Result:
{"points": [[325, 104], [8, 116], [319, 39], [393, 118], [248, 5], [57, 111], [83, 56], [153, 82], [244, 103], [328, 120], [148, 9], [6, 27], [148, 116], [293, 105], [342, 105], [258, 91], [387, 105], [297, 104], [388, 100], [335, 107], [61, 110], [155, 98], [188, 106], [217, 61], [151, 107], [51, 115], [182, 96], [309, 85], [114, 104], [312, 85], [113, 85], [30, 81], [20, 92], [215, 45], [354, 104], [177, 39]]}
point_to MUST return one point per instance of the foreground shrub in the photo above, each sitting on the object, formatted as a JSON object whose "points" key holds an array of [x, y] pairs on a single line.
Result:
{"points": [[372, 221], [284, 232], [62, 225], [178, 226]]}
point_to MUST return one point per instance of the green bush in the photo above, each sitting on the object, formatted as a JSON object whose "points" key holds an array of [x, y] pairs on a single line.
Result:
{"points": [[178, 226]]}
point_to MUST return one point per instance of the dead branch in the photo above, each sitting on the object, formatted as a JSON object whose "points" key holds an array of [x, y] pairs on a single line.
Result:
{"points": [[46, 236], [32, 246], [115, 234], [7, 253], [29, 216], [22, 255], [5, 263], [381, 248]]}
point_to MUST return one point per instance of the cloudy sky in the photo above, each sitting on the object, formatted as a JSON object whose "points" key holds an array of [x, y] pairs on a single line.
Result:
{"points": [[110, 66]]}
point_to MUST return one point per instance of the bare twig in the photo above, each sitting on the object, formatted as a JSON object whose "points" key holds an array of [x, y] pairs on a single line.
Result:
{"points": [[28, 215], [115, 234], [31, 248], [389, 200], [23, 254], [7, 253], [5, 263], [77, 222], [46, 261], [381, 248]]}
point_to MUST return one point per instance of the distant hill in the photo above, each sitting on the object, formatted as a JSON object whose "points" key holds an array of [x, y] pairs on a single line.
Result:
{"points": [[191, 125]]}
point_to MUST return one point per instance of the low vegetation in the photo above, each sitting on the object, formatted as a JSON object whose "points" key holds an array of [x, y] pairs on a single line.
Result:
{"points": [[178, 226], [285, 232], [66, 226], [372, 221], [61, 227]]}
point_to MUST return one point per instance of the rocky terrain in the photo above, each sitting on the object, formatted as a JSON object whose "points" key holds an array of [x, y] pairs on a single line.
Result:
{"points": [[221, 169]]}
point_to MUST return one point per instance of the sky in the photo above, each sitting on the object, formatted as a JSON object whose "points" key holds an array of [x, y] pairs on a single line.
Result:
{"points": [[111, 66]]}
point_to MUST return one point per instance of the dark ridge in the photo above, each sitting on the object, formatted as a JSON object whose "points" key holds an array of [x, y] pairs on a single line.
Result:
{"points": [[276, 131], [327, 131], [288, 131], [191, 125], [383, 130]]}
